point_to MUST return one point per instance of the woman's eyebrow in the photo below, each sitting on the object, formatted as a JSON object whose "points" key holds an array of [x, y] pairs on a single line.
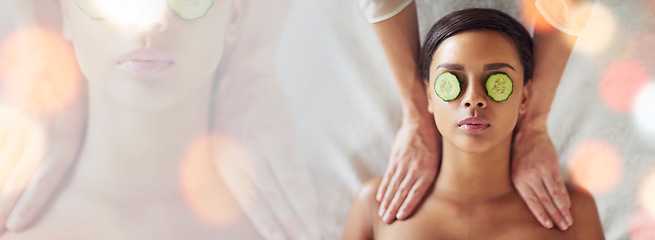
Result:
{"points": [[496, 66], [451, 66]]}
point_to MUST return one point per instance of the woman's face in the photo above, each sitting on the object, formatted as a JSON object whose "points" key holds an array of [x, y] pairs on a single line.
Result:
{"points": [[147, 63], [474, 122]]}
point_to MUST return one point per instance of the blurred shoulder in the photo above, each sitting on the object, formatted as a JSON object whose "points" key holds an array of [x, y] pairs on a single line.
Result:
{"points": [[362, 218], [586, 220], [366, 194], [581, 199]]}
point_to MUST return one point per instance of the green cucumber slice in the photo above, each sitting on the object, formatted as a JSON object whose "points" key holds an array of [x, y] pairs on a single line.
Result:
{"points": [[447, 86], [499, 87], [92, 9], [190, 9]]}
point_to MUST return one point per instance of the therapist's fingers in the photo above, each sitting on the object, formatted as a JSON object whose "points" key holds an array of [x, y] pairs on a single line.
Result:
{"points": [[535, 206], [535, 172], [64, 134], [548, 204], [21, 143], [415, 196], [390, 193], [7, 161], [16, 183], [557, 190], [399, 198], [382, 189], [12, 143], [8, 158], [39, 190], [7, 201]]}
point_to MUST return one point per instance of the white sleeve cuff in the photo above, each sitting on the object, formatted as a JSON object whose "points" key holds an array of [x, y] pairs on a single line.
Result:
{"points": [[380, 10], [564, 16]]}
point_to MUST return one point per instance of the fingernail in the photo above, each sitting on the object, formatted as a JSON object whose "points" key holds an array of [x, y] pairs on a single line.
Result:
{"points": [[569, 220], [400, 214], [387, 218], [563, 225], [12, 224], [381, 211], [549, 224]]}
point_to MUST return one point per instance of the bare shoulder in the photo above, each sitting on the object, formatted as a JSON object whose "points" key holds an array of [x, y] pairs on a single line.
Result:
{"points": [[585, 213], [363, 212], [365, 199], [582, 202], [369, 189]]}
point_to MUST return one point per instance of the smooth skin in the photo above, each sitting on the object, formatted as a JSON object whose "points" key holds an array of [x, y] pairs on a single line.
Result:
{"points": [[413, 162], [473, 196], [24, 204]]}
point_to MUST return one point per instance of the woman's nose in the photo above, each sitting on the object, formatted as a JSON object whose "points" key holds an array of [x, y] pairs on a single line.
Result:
{"points": [[474, 96], [145, 16], [148, 34], [151, 24], [160, 26]]}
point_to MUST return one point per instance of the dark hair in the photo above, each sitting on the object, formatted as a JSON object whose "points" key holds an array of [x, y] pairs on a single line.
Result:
{"points": [[478, 19]]}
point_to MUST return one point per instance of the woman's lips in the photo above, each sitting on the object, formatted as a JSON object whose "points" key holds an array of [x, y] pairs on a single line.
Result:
{"points": [[145, 61], [474, 124]]}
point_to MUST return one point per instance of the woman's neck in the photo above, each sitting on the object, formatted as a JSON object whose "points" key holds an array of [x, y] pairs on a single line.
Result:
{"points": [[139, 152], [471, 177]]}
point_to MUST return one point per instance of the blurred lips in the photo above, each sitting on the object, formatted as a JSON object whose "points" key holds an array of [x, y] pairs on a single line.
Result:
{"points": [[145, 61], [474, 124]]}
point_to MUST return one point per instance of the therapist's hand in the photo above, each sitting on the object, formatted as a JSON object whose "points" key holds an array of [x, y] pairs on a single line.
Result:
{"points": [[412, 168], [28, 179], [537, 177]]}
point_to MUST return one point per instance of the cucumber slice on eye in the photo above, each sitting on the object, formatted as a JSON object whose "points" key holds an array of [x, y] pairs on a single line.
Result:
{"points": [[96, 10], [499, 87], [447, 86], [190, 9]]}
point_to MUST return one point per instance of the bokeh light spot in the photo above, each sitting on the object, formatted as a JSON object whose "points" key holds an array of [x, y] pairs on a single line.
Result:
{"points": [[620, 82], [635, 46], [596, 165], [647, 193], [204, 182], [38, 70], [599, 30], [568, 16], [22, 148], [643, 112], [642, 225], [529, 11]]}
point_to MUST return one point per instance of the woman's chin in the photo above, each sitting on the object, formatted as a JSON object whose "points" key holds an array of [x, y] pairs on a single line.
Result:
{"points": [[473, 145], [145, 105]]}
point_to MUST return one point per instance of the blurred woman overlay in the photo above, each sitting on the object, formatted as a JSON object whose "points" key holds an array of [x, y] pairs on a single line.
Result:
{"points": [[148, 119]]}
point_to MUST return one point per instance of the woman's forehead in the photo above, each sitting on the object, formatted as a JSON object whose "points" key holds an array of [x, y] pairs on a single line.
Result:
{"points": [[479, 47]]}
